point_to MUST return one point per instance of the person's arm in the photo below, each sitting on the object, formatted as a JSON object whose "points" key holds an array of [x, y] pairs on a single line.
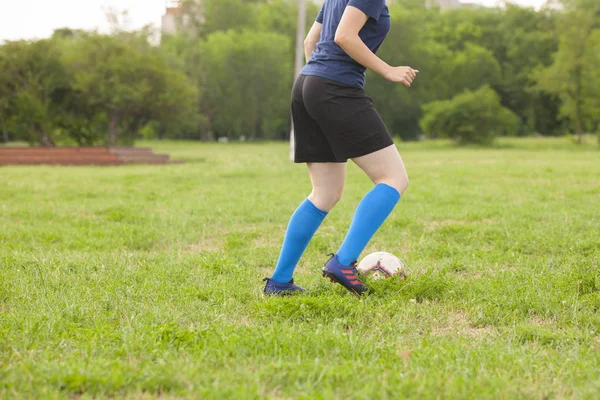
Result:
{"points": [[313, 37], [347, 38]]}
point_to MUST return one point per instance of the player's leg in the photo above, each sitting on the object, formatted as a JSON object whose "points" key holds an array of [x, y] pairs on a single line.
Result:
{"points": [[327, 177], [386, 169], [328, 184], [360, 134]]}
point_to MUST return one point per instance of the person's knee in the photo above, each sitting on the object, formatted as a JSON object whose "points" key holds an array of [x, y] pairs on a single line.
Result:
{"points": [[326, 199], [398, 181]]}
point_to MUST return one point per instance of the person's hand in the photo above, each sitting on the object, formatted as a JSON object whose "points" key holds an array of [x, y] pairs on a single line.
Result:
{"points": [[404, 75]]}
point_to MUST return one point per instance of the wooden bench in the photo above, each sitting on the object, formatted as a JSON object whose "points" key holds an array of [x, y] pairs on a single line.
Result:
{"points": [[81, 156]]}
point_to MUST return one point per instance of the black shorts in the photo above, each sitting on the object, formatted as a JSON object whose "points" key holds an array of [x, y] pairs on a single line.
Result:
{"points": [[334, 122]]}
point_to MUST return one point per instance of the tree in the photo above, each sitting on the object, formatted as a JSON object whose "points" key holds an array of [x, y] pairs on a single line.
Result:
{"points": [[120, 86], [246, 80], [520, 40], [406, 44], [280, 16], [208, 16], [445, 70], [529, 39], [471, 117], [183, 53], [33, 84], [229, 72], [573, 75]]}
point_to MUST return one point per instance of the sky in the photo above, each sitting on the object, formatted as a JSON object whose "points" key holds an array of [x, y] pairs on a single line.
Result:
{"points": [[34, 19]]}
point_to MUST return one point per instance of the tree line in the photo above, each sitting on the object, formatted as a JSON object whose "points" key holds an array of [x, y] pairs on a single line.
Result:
{"points": [[483, 72]]}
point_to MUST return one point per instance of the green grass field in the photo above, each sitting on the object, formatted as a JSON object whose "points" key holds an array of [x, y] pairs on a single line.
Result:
{"points": [[145, 281]]}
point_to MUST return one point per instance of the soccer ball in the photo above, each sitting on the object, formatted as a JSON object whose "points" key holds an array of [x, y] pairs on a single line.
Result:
{"points": [[382, 265]]}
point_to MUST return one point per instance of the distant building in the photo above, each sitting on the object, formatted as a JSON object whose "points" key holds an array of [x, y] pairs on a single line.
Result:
{"points": [[169, 19], [175, 17]]}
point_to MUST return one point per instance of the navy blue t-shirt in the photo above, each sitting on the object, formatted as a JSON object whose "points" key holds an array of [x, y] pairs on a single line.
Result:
{"points": [[329, 60]]}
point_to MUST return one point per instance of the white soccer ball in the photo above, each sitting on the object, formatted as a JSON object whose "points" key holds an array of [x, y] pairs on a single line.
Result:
{"points": [[382, 265]]}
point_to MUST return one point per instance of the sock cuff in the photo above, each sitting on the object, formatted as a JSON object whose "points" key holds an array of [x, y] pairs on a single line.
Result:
{"points": [[383, 187], [315, 209]]}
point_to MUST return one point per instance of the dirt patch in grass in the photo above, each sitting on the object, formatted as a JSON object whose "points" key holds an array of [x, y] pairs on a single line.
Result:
{"points": [[540, 321], [266, 270], [437, 223], [268, 240], [208, 244], [456, 323], [157, 396], [441, 223]]}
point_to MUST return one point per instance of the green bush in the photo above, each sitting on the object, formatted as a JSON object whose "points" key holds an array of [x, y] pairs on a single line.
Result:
{"points": [[470, 117]]}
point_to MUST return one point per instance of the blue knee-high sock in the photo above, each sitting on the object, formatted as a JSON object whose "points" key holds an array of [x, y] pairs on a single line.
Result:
{"points": [[304, 223], [369, 216]]}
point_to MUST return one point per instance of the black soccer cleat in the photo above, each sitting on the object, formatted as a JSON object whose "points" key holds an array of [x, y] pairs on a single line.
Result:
{"points": [[281, 289], [345, 276]]}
